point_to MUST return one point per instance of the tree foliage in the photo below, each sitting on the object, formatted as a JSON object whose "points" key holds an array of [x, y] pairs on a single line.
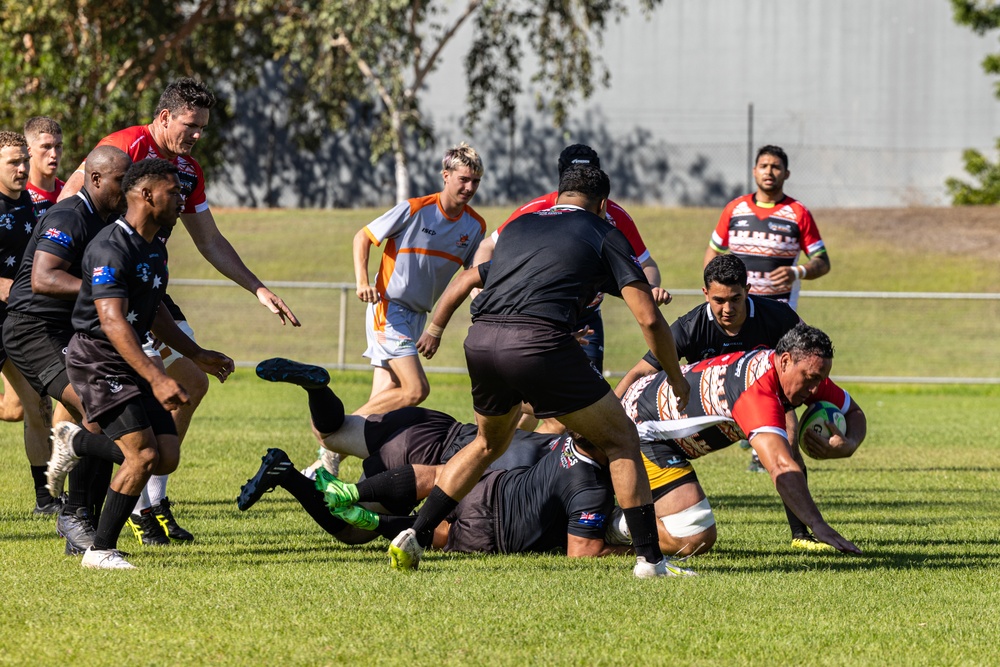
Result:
{"points": [[97, 67], [981, 16], [347, 65]]}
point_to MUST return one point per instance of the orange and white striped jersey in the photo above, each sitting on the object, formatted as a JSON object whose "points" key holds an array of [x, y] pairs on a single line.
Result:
{"points": [[424, 248]]}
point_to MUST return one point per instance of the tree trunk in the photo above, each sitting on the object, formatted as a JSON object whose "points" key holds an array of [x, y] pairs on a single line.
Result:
{"points": [[399, 155]]}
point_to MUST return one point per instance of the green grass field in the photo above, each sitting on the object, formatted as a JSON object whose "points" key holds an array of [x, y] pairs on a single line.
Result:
{"points": [[269, 587]]}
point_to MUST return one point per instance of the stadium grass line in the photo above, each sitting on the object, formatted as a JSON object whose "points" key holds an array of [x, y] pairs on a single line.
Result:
{"points": [[268, 586]]}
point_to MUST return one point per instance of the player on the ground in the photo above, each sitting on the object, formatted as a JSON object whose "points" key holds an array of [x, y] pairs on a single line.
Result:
{"points": [[767, 230], [742, 395], [45, 146], [579, 154], [39, 323], [427, 240], [555, 495], [547, 267], [17, 221], [122, 389], [731, 321], [181, 116]]}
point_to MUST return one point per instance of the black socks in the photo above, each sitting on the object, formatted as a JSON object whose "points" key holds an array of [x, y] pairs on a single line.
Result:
{"points": [[304, 490], [436, 509], [642, 526], [117, 510], [325, 409]]}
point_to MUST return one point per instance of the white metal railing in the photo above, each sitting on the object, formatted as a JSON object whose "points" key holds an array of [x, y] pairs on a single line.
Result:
{"points": [[346, 289]]}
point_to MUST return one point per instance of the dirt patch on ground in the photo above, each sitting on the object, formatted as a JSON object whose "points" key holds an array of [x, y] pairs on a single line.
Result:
{"points": [[970, 231]]}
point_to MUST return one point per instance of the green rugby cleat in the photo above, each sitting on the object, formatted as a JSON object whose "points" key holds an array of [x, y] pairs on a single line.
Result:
{"points": [[357, 516], [336, 493]]}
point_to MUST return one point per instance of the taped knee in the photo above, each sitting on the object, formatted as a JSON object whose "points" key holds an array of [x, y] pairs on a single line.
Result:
{"points": [[691, 521]]}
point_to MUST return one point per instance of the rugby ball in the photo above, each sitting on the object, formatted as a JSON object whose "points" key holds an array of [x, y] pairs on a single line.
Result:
{"points": [[815, 418]]}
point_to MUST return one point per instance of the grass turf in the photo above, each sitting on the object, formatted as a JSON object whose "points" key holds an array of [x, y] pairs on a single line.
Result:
{"points": [[268, 586]]}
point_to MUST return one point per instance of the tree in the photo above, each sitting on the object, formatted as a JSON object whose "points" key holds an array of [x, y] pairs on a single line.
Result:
{"points": [[981, 17], [347, 60], [100, 66]]}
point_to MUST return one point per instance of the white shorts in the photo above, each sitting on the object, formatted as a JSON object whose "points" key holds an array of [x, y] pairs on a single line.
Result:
{"points": [[397, 336], [155, 348]]}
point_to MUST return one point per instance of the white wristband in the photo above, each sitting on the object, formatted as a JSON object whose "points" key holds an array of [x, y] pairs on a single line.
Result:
{"points": [[800, 272], [434, 330]]}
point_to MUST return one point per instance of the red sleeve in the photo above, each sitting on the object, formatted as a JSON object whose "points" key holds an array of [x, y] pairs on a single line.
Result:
{"points": [[624, 222], [812, 242], [829, 391], [540, 204], [128, 140], [196, 201], [759, 407]]}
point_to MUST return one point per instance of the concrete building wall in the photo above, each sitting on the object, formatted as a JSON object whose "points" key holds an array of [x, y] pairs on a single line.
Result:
{"points": [[874, 100]]}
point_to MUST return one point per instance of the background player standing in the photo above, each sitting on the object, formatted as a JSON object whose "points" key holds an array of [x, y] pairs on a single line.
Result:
{"points": [[427, 239], [17, 221], [45, 146]]}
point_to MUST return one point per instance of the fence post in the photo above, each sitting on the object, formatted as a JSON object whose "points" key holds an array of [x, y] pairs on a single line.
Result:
{"points": [[750, 164]]}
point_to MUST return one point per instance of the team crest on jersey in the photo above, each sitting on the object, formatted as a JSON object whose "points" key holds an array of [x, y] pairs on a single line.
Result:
{"points": [[7, 221], [568, 457], [114, 385], [463, 241], [777, 227], [143, 272]]}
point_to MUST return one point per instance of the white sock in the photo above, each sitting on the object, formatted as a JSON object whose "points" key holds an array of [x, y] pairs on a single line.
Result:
{"points": [[143, 501], [157, 488]]}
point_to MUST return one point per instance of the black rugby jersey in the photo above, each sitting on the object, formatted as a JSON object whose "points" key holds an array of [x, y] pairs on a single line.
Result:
{"points": [[552, 264], [698, 335], [17, 222], [119, 263], [65, 232]]}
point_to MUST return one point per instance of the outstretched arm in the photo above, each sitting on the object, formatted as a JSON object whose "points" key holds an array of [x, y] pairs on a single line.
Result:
{"points": [[456, 292], [639, 299], [790, 482], [220, 253]]}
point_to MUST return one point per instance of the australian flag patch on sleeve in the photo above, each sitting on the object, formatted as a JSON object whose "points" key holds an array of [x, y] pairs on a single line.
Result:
{"points": [[58, 237], [103, 275], [591, 519]]}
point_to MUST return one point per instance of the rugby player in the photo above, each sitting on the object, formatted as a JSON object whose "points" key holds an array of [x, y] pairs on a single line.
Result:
{"points": [[580, 154], [179, 120], [547, 267], [123, 390], [39, 323], [749, 393], [767, 230], [427, 239], [45, 147], [17, 221], [731, 321], [556, 494]]}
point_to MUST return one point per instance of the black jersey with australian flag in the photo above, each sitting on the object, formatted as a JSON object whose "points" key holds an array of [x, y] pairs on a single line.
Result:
{"points": [[120, 263]]}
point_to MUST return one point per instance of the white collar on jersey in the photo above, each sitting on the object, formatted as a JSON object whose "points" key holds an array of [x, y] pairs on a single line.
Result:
{"points": [[580, 455], [85, 200], [124, 225], [567, 207], [750, 311]]}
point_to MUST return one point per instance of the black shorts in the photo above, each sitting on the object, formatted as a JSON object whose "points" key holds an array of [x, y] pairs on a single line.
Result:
{"points": [[3, 349], [410, 436], [137, 414], [527, 359], [101, 378], [38, 350], [474, 523]]}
